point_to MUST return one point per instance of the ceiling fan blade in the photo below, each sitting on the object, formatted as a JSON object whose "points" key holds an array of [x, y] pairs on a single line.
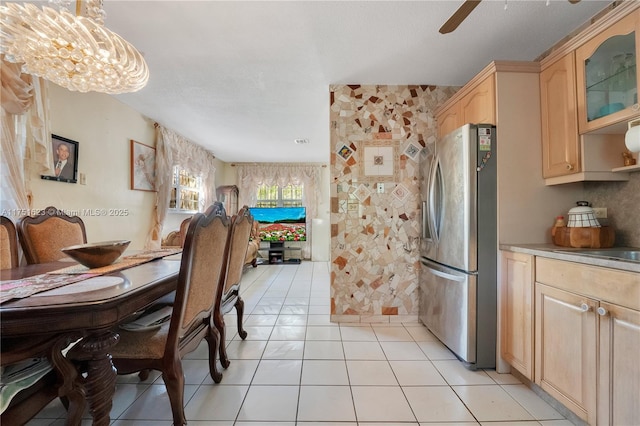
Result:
{"points": [[459, 16], [574, 1]]}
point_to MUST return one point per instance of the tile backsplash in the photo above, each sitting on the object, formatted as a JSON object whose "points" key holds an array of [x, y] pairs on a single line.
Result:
{"points": [[622, 200]]}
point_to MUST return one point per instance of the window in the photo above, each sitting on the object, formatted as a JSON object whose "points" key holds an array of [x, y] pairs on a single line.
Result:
{"points": [[186, 192], [275, 196]]}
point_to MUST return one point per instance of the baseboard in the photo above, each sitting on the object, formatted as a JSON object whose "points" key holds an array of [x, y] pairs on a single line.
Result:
{"points": [[378, 319]]}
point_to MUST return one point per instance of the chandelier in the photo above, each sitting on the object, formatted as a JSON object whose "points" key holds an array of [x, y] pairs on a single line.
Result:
{"points": [[73, 51]]}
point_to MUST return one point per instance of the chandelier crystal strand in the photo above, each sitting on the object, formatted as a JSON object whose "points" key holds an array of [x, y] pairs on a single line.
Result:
{"points": [[75, 52]]}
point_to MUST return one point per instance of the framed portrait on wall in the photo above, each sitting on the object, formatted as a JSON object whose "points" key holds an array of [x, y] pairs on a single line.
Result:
{"points": [[143, 167], [64, 162]]}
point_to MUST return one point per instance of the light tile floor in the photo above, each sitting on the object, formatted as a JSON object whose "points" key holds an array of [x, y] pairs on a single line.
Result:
{"points": [[298, 368]]}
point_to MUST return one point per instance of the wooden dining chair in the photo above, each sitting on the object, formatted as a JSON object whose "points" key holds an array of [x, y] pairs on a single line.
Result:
{"points": [[241, 225], [8, 244], [184, 226], [202, 266], [43, 235]]}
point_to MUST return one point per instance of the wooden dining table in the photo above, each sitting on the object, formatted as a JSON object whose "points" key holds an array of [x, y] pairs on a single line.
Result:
{"points": [[92, 314]]}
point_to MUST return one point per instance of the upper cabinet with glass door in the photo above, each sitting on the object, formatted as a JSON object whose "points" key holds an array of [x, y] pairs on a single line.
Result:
{"points": [[607, 76]]}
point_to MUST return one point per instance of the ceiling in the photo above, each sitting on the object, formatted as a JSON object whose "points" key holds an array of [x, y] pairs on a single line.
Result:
{"points": [[245, 79]]}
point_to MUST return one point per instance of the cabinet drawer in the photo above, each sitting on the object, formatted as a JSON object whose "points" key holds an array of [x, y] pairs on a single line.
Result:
{"points": [[611, 285]]}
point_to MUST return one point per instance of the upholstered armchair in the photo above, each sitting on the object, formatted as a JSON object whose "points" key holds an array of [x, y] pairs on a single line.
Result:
{"points": [[254, 245], [176, 238]]}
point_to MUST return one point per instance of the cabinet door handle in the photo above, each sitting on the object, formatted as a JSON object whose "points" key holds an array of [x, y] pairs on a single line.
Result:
{"points": [[601, 311], [584, 307], [569, 166]]}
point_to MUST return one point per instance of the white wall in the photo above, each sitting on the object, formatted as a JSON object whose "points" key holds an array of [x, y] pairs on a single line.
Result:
{"points": [[103, 127], [321, 224]]}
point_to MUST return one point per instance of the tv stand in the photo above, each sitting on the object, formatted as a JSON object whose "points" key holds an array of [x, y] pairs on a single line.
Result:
{"points": [[278, 253]]}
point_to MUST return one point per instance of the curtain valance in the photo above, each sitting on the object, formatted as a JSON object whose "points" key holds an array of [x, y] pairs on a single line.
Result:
{"points": [[251, 176], [172, 150]]}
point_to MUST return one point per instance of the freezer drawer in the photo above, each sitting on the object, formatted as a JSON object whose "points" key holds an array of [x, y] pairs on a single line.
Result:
{"points": [[448, 307]]}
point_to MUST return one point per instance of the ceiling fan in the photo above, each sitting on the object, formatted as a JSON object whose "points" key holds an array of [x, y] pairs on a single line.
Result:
{"points": [[464, 11]]}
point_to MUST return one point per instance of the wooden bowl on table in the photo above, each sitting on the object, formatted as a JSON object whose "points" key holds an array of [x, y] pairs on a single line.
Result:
{"points": [[97, 255]]}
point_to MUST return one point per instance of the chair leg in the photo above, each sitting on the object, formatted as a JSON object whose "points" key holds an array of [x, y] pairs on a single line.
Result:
{"points": [[240, 311], [173, 377], [143, 374], [213, 340], [218, 320]]}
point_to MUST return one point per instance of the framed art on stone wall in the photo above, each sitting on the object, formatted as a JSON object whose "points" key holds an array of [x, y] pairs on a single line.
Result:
{"points": [[379, 161]]}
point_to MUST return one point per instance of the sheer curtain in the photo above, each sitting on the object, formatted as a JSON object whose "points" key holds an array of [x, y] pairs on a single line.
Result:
{"points": [[26, 137], [250, 176], [172, 150]]}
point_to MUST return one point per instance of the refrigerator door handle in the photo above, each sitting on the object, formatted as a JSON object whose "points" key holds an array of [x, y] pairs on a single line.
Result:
{"points": [[425, 222], [435, 205], [447, 276]]}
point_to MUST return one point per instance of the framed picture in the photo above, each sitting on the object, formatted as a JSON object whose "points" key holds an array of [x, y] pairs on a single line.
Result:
{"points": [[345, 152], [65, 160], [412, 151], [379, 161], [143, 167]]}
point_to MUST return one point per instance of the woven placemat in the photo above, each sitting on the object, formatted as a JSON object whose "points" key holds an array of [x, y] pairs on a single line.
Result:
{"points": [[114, 267], [122, 263], [18, 289], [25, 287]]}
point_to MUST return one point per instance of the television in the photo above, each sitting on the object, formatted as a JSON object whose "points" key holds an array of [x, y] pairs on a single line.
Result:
{"points": [[281, 223]]}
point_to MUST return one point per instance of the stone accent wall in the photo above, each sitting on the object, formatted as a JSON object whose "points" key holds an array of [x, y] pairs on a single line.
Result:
{"points": [[377, 133]]}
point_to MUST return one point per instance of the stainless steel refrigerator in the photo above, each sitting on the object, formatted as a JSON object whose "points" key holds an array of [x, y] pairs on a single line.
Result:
{"points": [[459, 246]]}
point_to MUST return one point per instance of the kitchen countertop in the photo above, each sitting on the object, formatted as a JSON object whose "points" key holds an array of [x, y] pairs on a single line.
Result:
{"points": [[551, 251]]}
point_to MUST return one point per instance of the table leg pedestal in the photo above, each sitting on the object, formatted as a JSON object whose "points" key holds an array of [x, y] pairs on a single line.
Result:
{"points": [[100, 382]]}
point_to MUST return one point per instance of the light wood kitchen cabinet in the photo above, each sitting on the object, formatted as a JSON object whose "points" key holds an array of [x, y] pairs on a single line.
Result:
{"points": [[599, 154], [619, 381], [475, 103], [572, 108], [607, 75], [516, 111], [560, 139], [587, 337], [479, 105], [449, 119], [516, 311], [566, 333]]}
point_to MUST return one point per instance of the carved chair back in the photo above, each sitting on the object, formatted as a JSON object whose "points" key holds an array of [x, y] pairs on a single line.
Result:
{"points": [[43, 235], [201, 270], [241, 225], [8, 244]]}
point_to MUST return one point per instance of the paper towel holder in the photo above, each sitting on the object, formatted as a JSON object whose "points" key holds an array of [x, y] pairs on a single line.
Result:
{"points": [[632, 136]]}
